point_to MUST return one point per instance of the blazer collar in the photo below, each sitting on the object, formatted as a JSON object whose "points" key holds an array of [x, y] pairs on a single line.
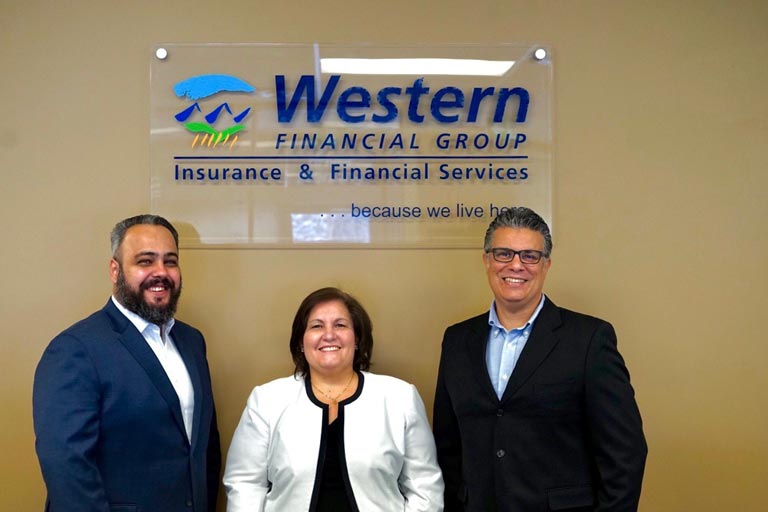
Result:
{"points": [[190, 359], [137, 346], [476, 347], [539, 345]]}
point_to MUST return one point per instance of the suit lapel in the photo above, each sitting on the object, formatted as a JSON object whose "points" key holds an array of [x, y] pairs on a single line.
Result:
{"points": [[477, 342], [193, 368], [536, 350], [135, 343]]}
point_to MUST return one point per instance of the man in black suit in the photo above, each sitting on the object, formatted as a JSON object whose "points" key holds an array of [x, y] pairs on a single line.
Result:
{"points": [[122, 401], [534, 410]]}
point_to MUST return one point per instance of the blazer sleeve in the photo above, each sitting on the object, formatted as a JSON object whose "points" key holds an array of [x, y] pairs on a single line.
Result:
{"points": [[615, 425], [213, 461], [420, 481], [245, 476], [65, 405], [447, 437]]}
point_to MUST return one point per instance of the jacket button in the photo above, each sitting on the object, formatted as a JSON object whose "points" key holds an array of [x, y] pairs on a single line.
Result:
{"points": [[500, 453], [499, 412], [188, 503]]}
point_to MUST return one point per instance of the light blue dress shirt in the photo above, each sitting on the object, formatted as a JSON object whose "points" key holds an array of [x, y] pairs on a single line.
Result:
{"points": [[504, 347]]}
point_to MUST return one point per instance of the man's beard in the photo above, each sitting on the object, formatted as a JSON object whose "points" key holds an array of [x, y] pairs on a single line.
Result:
{"points": [[134, 300]]}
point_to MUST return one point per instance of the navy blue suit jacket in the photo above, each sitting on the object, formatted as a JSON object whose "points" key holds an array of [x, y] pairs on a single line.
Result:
{"points": [[565, 435], [110, 435]]}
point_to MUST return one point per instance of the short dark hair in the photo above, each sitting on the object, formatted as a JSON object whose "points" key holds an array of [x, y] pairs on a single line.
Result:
{"points": [[118, 232], [361, 324], [519, 217]]}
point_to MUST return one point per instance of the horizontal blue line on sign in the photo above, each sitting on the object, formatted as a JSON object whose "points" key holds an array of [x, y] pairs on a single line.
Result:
{"points": [[411, 157]]}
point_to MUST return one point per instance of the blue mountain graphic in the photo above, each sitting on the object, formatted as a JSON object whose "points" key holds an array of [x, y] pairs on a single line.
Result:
{"points": [[212, 116], [184, 114]]}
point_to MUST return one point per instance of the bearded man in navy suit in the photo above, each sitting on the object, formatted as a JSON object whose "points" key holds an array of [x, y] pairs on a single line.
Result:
{"points": [[534, 410], [123, 408]]}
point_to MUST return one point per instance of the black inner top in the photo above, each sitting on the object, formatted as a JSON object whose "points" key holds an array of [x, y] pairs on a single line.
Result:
{"points": [[333, 495]]}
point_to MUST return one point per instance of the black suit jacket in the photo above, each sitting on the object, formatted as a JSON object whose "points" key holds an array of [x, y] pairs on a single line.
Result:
{"points": [[566, 434], [110, 435]]}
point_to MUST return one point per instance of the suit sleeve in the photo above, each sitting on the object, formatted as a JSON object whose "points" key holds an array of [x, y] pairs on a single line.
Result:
{"points": [[65, 404], [245, 475], [420, 480], [447, 437], [213, 459], [615, 425]]}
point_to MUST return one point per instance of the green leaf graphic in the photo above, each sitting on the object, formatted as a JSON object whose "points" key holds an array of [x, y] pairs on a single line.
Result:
{"points": [[200, 127]]}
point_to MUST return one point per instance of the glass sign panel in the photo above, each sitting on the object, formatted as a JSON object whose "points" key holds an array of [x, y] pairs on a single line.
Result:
{"points": [[358, 146]]}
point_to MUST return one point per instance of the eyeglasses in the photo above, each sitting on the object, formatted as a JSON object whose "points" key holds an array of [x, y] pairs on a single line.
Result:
{"points": [[527, 256]]}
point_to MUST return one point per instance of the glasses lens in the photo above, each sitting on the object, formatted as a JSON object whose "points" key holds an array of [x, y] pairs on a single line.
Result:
{"points": [[503, 255], [530, 256]]}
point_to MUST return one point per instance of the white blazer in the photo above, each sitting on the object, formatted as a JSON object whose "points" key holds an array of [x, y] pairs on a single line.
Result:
{"points": [[388, 447]]}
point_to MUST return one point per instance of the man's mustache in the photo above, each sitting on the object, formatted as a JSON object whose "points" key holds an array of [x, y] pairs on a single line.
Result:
{"points": [[162, 281]]}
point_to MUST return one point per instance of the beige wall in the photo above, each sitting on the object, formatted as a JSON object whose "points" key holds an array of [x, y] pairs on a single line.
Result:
{"points": [[661, 124]]}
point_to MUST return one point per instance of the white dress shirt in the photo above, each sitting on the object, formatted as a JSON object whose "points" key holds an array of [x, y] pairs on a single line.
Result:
{"points": [[161, 343]]}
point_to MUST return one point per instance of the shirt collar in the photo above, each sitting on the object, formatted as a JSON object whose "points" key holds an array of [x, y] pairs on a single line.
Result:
{"points": [[493, 318], [140, 323]]}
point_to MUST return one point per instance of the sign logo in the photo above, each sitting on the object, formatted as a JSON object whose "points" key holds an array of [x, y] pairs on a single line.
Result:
{"points": [[204, 86]]}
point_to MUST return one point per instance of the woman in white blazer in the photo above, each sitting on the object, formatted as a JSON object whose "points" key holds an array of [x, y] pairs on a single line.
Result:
{"points": [[333, 437]]}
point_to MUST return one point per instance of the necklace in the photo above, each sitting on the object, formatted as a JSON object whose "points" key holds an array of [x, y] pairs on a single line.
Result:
{"points": [[334, 399]]}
